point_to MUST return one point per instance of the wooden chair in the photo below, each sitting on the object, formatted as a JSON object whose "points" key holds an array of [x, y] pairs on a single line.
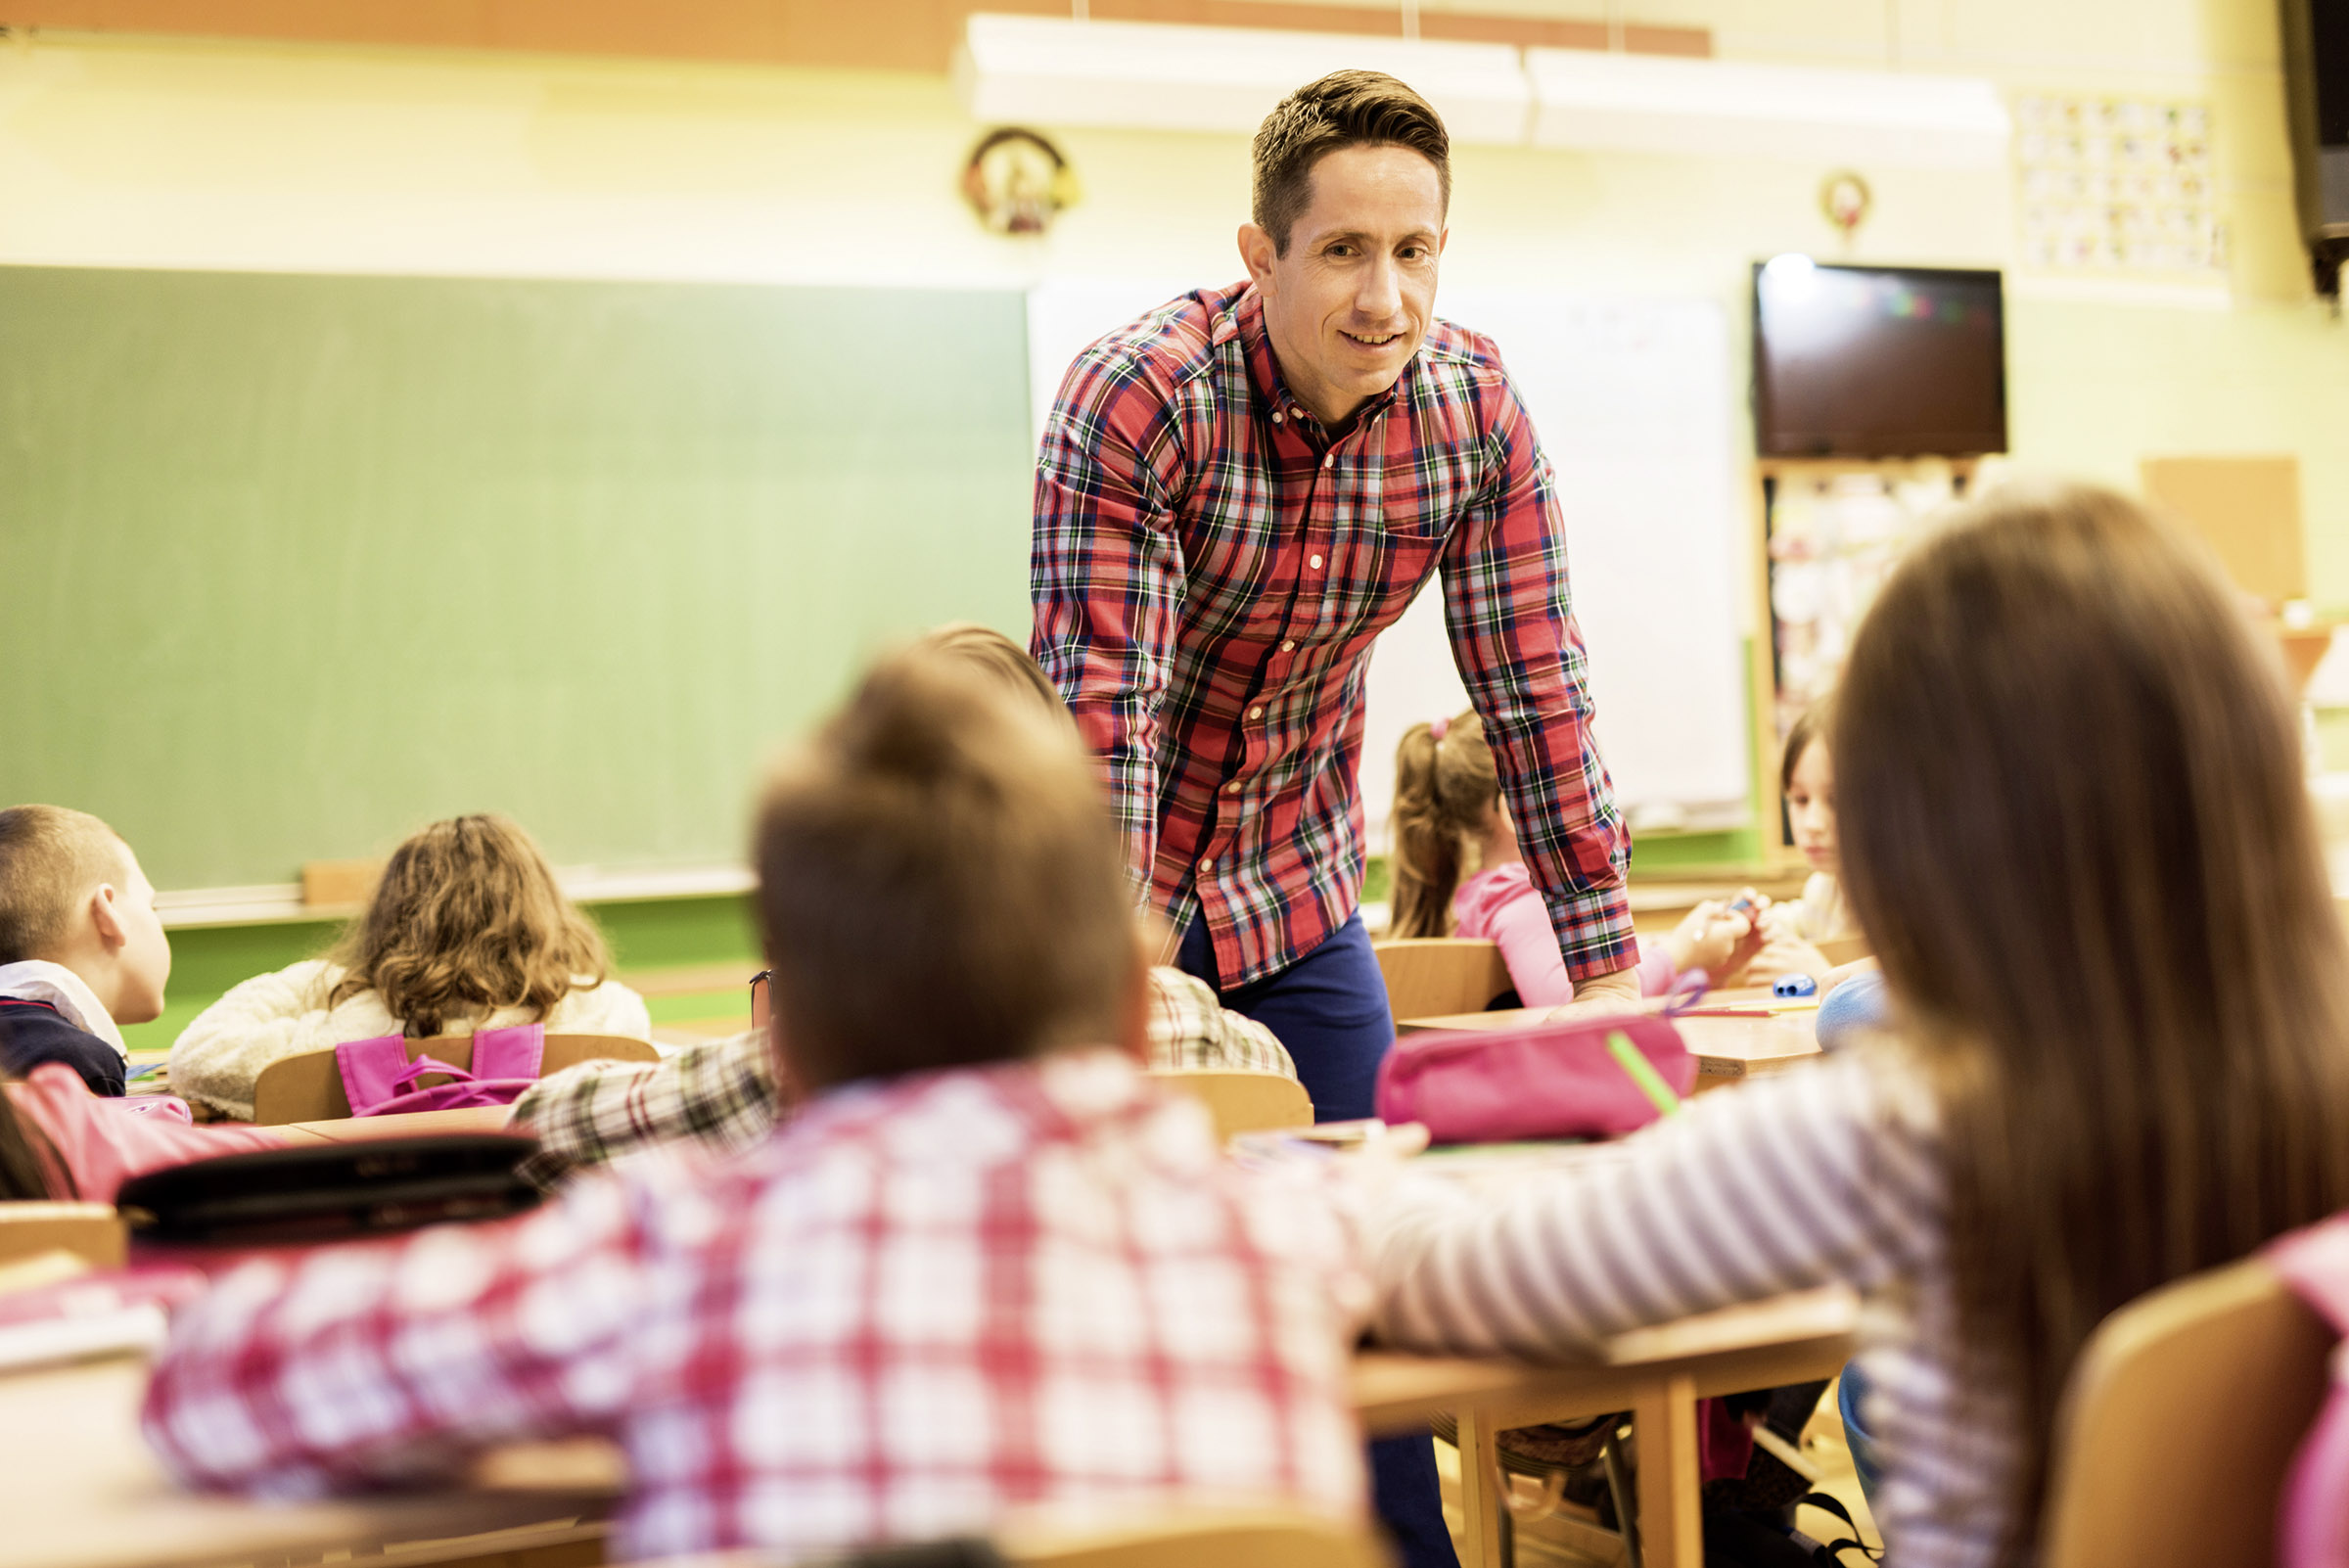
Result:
{"points": [[1429, 977], [1264, 1537], [1843, 950], [90, 1232], [309, 1087], [1245, 1101], [2180, 1419]]}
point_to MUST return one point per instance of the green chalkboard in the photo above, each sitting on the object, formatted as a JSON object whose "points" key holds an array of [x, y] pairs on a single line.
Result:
{"points": [[290, 565]]}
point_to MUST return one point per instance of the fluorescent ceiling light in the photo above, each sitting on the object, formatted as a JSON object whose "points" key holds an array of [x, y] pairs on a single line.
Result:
{"points": [[1658, 104], [1048, 70]]}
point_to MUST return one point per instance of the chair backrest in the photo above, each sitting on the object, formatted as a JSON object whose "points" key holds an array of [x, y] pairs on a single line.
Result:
{"points": [[1229, 1537], [1429, 977], [1840, 951], [90, 1232], [2181, 1421], [309, 1087], [1244, 1101]]}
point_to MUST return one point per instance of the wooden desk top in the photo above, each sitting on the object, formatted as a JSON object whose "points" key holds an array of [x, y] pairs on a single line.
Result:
{"points": [[1724, 1047], [352, 1129], [81, 1489], [1791, 1339]]}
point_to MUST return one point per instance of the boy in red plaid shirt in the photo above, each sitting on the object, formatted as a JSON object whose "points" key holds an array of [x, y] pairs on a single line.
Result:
{"points": [[986, 1267]]}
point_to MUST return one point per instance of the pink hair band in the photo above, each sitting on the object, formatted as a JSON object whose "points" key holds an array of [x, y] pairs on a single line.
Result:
{"points": [[1438, 727]]}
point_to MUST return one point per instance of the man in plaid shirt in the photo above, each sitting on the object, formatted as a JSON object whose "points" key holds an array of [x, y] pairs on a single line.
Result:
{"points": [[987, 1266], [1234, 495]]}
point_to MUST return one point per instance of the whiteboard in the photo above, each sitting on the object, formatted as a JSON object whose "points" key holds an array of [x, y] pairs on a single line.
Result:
{"points": [[1635, 402]]}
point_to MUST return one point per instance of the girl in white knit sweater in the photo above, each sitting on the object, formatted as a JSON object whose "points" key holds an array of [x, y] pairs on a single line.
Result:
{"points": [[466, 931]]}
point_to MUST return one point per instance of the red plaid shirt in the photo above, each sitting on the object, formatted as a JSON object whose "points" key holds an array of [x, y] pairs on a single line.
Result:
{"points": [[921, 1304], [1209, 570]]}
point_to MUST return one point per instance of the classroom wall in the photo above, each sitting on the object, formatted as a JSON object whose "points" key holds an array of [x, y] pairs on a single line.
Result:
{"points": [[144, 152]]}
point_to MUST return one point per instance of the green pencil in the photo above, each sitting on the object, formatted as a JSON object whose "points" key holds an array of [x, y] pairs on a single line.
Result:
{"points": [[1643, 1073]]}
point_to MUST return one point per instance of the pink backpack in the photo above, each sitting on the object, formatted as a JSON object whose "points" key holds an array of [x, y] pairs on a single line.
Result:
{"points": [[1553, 1080], [381, 1080]]}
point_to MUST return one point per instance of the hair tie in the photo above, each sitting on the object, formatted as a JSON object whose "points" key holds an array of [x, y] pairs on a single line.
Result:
{"points": [[1438, 727]]}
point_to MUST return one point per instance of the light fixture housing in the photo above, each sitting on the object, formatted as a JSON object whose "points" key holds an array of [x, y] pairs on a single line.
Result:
{"points": [[1051, 71], [1817, 115]]}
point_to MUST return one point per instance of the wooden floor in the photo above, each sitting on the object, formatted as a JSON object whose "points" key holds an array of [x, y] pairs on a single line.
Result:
{"points": [[1569, 1538]]}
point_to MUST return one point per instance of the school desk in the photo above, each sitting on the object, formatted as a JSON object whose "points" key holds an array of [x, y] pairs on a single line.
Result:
{"points": [[81, 1489], [1657, 1373], [414, 1124], [1725, 1048]]}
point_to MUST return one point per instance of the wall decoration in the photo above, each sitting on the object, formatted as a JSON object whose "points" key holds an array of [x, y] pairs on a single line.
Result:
{"points": [[1844, 199], [1017, 181], [2118, 186]]}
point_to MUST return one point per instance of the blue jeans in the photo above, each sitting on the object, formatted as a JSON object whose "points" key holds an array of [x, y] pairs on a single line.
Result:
{"points": [[1329, 1008]]}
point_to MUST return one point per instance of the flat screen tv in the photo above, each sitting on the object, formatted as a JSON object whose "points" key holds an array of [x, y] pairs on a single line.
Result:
{"points": [[1857, 361]]}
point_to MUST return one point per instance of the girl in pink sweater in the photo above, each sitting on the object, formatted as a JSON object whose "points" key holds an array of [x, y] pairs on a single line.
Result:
{"points": [[1457, 873]]}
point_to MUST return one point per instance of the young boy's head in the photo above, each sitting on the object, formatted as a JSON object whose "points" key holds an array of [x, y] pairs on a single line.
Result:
{"points": [[940, 884], [72, 893], [1807, 774]]}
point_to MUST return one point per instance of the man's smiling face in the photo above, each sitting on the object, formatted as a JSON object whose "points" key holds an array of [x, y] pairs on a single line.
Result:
{"points": [[1349, 302]]}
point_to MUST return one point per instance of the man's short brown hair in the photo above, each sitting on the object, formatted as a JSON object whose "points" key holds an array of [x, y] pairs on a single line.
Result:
{"points": [[50, 858], [939, 883], [1343, 108]]}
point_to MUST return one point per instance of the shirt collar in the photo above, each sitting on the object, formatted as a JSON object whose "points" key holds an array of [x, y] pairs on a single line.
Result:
{"points": [[38, 980], [1273, 393]]}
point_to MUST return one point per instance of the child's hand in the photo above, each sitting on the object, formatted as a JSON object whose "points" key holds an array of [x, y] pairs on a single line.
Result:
{"points": [[1786, 955], [1714, 938]]}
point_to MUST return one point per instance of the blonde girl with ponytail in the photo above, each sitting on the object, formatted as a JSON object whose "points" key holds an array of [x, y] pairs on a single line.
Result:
{"points": [[1458, 871]]}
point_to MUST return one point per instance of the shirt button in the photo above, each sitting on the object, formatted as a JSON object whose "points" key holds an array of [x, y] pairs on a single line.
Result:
{"points": [[1314, 561], [1256, 713], [1288, 646], [1232, 788], [1328, 459], [1207, 862], [1277, 416]]}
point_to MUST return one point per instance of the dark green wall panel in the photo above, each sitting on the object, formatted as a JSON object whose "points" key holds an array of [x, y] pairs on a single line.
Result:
{"points": [[290, 565]]}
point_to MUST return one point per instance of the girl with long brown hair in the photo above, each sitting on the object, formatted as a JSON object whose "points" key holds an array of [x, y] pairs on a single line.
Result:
{"points": [[466, 930], [2073, 823]]}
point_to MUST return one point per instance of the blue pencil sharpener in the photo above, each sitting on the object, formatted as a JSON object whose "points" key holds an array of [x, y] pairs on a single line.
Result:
{"points": [[1794, 985]]}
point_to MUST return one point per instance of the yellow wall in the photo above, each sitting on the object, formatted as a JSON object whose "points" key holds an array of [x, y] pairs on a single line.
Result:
{"points": [[144, 153]]}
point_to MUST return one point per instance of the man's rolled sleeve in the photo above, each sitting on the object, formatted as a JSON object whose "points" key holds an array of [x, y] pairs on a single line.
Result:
{"points": [[1508, 606]]}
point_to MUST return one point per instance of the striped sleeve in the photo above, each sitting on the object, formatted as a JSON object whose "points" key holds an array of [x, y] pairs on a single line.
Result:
{"points": [[1817, 1176]]}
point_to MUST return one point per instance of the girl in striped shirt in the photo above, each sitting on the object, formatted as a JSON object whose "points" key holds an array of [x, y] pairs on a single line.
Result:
{"points": [[2073, 822]]}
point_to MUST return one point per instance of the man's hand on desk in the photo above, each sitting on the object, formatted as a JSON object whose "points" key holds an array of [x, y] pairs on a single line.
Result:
{"points": [[1600, 996]]}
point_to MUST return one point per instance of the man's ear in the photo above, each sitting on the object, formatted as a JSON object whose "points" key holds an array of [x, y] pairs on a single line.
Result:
{"points": [[106, 918], [1258, 255]]}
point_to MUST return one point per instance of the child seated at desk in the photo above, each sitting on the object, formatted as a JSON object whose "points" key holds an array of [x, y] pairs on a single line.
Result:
{"points": [[1458, 871], [466, 930], [724, 1093], [1792, 930], [2074, 822], [81, 948], [988, 1266]]}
